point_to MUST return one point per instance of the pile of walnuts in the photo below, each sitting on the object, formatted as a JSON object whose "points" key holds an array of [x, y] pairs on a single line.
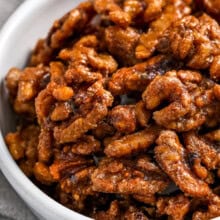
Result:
{"points": [[119, 110]]}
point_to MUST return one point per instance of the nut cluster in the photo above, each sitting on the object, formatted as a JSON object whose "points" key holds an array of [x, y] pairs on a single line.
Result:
{"points": [[119, 110]]}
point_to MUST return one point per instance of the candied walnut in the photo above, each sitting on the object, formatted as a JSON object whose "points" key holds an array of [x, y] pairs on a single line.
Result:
{"points": [[132, 143], [29, 83], [133, 213], [137, 77], [175, 207], [153, 10], [24, 85], [12, 80], [81, 125], [61, 111], [85, 64], [212, 212], [63, 93], [113, 11], [212, 118], [195, 40], [26, 108], [45, 145], [145, 163], [135, 9], [30, 135], [205, 150], [85, 146], [41, 54], [122, 176], [53, 101], [189, 78], [55, 91], [42, 173], [197, 91], [23, 143], [103, 129], [23, 147], [57, 71], [118, 210], [72, 173], [72, 23], [27, 167], [43, 104], [78, 187], [16, 145], [197, 167], [147, 199], [112, 213], [62, 30], [171, 88], [47, 108], [169, 15], [170, 155], [142, 114], [66, 164], [87, 96], [123, 118], [121, 43]]}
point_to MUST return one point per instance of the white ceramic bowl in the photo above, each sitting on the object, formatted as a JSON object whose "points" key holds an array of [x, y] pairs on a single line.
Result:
{"points": [[30, 22]]}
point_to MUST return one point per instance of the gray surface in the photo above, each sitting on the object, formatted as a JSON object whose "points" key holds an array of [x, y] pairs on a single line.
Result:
{"points": [[11, 206]]}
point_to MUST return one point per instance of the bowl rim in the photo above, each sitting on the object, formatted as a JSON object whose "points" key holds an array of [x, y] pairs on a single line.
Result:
{"points": [[8, 166]]}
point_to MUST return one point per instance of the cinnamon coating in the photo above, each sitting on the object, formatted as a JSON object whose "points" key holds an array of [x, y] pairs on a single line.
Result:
{"points": [[81, 125], [120, 210], [121, 43], [86, 146], [121, 176], [83, 58], [204, 149], [119, 110], [175, 207], [171, 88], [170, 155], [24, 87], [167, 15], [142, 114], [212, 212], [23, 147], [137, 77], [67, 27], [72, 173], [130, 144], [195, 40], [114, 11], [123, 118], [192, 98]]}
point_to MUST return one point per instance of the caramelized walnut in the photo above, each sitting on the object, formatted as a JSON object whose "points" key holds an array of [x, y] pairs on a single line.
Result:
{"points": [[170, 155], [121, 176]]}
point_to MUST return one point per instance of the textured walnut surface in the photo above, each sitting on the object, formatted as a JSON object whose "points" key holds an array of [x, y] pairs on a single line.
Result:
{"points": [[119, 110]]}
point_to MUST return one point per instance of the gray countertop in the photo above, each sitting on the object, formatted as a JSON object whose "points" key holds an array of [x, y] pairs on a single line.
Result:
{"points": [[11, 206]]}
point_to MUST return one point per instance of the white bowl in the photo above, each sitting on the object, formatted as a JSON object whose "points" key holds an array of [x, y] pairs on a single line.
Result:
{"points": [[30, 22]]}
